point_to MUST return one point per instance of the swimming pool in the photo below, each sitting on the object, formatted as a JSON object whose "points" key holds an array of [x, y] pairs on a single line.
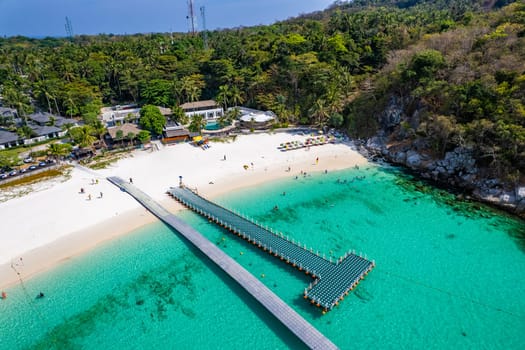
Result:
{"points": [[212, 126]]}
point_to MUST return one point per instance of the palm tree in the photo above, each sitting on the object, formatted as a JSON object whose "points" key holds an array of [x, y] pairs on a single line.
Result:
{"points": [[69, 103], [236, 96], [197, 123], [83, 135], [15, 98], [345, 81], [223, 95], [131, 137], [178, 91], [334, 98], [281, 109], [193, 93], [40, 89], [99, 129], [59, 150], [319, 111], [192, 86], [232, 114]]}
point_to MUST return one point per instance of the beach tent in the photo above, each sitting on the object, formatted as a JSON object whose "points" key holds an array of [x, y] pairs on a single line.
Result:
{"points": [[198, 140]]}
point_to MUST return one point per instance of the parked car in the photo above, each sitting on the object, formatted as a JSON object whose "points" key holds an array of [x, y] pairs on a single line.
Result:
{"points": [[13, 173], [33, 167], [28, 160], [3, 176], [23, 170], [42, 164]]}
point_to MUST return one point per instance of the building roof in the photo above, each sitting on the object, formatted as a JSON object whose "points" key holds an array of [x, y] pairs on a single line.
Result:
{"points": [[176, 133], [7, 137], [199, 104], [126, 129], [61, 121], [41, 117], [44, 118], [165, 111], [119, 112], [171, 125], [257, 117], [44, 130]]}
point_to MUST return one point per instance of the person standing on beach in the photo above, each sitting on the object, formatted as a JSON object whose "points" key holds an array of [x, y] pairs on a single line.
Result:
{"points": [[130, 180], [317, 160], [101, 194]]}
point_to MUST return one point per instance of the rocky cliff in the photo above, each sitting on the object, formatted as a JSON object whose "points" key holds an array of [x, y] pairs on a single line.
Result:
{"points": [[458, 168]]}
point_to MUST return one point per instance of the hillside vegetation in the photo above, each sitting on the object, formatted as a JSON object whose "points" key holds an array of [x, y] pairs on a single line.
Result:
{"points": [[454, 69]]}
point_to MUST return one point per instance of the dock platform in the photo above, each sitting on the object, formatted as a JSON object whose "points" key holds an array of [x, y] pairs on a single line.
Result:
{"points": [[332, 280], [308, 334]]}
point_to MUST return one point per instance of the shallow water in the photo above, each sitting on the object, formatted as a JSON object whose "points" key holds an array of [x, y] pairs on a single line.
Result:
{"points": [[448, 275]]}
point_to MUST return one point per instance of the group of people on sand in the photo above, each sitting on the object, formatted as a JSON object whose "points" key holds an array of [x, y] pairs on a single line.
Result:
{"points": [[93, 182]]}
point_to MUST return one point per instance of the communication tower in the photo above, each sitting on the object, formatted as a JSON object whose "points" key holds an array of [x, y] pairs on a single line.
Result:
{"points": [[204, 32], [69, 28], [191, 17]]}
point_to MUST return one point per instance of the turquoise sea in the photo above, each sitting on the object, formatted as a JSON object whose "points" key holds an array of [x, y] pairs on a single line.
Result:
{"points": [[449, 275]]}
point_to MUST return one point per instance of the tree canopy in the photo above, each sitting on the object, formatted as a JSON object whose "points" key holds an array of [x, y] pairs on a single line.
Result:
{"points": [[151, 119], [457, 63]]}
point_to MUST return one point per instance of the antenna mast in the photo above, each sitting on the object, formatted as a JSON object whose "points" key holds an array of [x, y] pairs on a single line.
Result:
{"points": [[69, 28], [204, 32], [191, 17]]}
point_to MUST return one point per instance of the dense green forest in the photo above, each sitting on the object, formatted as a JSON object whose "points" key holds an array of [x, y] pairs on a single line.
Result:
{"points": [[455, 66]]}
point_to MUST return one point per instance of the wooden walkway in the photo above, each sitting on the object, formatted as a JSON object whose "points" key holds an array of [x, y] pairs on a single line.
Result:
{"points": [[332, 280], [284, 313]]}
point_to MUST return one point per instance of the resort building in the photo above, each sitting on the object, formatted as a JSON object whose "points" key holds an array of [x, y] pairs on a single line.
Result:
{"points": [[174, 133], [43, 133], [255, 119], [114, 135], [209, 109], [39, 123], [118, 115], [44, 118], [8, 139]]}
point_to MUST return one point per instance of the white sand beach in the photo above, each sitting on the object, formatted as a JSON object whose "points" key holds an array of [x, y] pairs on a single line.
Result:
{"points": [[46, 227]]}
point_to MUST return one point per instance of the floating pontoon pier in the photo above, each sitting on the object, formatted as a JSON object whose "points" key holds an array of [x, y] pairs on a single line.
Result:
{"points": [[332, 280], [284, 313]]}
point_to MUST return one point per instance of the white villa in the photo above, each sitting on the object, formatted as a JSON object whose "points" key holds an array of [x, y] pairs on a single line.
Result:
{"points": [[253, 118], [118, 115], [209, 109]]}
